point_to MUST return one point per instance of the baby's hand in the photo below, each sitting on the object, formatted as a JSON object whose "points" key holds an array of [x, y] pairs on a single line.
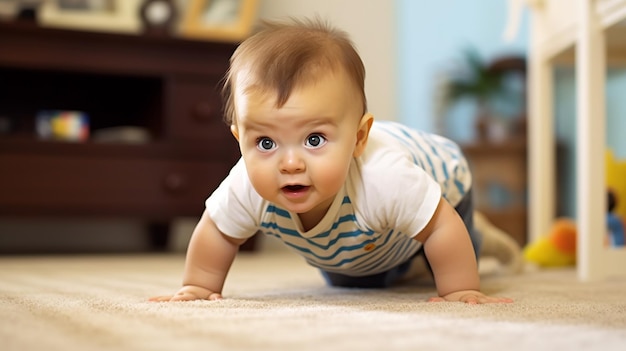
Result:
{"points": [[471, 297], [189, 293]]}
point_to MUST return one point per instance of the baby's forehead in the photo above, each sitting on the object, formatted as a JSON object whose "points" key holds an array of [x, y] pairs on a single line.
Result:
{"points": [[258, 87], [255, 97]]}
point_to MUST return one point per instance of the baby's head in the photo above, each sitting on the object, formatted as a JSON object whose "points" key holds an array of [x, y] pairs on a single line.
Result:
{"points": [[296, 104], [285, 56]]}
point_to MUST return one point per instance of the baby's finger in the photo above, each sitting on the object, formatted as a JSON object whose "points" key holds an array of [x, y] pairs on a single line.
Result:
{"points": [[436, 299], [163, 298], [490, 299], [470, 299], [214, 296], [501, 300], [184, 296]]}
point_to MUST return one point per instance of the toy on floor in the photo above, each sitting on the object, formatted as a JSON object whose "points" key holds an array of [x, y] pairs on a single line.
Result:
{"points": [[555, 249], [616, 181], [615, 225], [558, 246]]}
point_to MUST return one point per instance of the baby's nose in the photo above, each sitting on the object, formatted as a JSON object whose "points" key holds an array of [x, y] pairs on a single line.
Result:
{"points": [[291, 162]]}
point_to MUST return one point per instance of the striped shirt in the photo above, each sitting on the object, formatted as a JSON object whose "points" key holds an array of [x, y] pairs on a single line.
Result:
{"points": [[389, 196]]}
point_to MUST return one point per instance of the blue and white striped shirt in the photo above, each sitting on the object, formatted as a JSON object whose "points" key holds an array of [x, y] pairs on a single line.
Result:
{"points": [[390, 194]]}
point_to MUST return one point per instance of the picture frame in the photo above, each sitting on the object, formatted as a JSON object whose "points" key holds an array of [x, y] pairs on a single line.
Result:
{"points": [[219, 20], [111, 15]]}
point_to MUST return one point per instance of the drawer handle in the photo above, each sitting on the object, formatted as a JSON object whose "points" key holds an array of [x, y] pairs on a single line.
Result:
{"points": [[174, 183], [203, 112]]}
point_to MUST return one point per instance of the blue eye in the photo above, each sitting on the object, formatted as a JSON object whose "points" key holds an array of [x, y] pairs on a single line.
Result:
{"points": [[265, 144], [315, 141]]}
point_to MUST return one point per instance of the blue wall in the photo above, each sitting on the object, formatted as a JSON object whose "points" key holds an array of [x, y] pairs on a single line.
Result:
{"points": [[432, 37]]}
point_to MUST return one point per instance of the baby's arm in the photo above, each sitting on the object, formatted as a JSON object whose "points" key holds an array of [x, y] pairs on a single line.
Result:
{"points": [[209, 257], [451, 256]]}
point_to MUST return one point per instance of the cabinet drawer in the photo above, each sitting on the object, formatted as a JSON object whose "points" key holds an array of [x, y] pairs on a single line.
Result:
{"points": [[148, 188], [194, 109]]}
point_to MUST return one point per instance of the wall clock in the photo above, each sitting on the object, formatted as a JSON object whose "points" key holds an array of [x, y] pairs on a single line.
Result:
{"points": [[158, 16]]}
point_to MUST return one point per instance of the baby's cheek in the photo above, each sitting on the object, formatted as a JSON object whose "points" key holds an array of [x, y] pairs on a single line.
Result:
{"points": [[262, 181], [333, 176]]}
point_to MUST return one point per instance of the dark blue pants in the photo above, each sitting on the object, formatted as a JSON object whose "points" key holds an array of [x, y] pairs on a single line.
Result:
{"points": [[465, 209]]}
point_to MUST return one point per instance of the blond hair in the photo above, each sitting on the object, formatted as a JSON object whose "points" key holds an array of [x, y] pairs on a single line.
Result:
{"points": [[283, 56]]}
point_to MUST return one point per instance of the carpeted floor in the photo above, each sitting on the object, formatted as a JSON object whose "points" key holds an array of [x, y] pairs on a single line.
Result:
{"points": [[274, 301]]}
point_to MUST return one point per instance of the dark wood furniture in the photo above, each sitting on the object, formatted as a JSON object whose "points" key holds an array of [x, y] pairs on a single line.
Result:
{"points": [[168, 85]]}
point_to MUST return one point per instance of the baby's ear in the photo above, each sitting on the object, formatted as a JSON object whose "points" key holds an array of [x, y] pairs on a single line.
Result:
{"points": [[234, 131], [362, 134]]}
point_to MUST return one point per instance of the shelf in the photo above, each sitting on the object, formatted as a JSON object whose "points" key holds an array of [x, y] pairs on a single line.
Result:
{"points": [[514, 145], [166, 86], [74, 51], [153, 150], [149, 188]]}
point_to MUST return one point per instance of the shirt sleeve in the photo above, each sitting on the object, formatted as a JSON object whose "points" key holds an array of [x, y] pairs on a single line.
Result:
{"points": [[235, 206], [415, 197]]}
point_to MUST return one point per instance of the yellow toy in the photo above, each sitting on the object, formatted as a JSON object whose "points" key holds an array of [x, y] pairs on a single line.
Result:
{"points": [[616, 181], [557, 248]]}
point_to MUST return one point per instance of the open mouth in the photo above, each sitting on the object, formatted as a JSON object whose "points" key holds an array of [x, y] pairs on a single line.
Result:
{"points": [[294, 188]]}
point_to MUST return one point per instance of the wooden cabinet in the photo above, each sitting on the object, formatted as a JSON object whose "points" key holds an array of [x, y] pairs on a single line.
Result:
{"points": [[500, 183], [168, 86]]}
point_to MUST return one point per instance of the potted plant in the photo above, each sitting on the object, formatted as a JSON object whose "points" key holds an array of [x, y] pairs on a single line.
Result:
{"points": [[485, 84]]}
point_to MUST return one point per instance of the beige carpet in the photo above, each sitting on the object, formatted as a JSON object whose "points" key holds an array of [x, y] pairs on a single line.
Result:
{"points": [[276, 302]]}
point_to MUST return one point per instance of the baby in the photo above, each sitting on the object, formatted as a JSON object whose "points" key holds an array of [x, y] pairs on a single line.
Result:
{"points": [[360, 200]]}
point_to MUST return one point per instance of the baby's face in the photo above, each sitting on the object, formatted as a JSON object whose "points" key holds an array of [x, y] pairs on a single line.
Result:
{"points": [[297, 156]]}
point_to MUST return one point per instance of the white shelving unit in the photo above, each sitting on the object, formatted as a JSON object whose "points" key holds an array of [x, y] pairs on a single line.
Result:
{"points": [[590, 34]]}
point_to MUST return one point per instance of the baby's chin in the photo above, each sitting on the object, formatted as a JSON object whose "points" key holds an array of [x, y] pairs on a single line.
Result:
{"points": [[297, 208], [315, 209]]}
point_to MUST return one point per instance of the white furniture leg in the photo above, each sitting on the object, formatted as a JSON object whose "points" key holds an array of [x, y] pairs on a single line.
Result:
{"points": [[591, 136], [541, 140]]}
